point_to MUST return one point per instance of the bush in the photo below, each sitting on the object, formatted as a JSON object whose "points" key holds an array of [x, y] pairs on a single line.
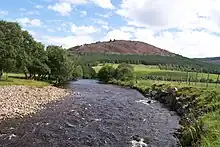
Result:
{"points": [[106, 73], [88, 72], [79, 72], [126, 65], [125, 72]]}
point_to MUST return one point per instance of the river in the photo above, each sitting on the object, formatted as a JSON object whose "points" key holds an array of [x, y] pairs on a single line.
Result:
{"points": [[98, 115]]}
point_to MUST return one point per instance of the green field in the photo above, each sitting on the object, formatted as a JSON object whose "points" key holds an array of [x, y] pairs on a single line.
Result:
{"points": [[16, 79], [142, 71]]}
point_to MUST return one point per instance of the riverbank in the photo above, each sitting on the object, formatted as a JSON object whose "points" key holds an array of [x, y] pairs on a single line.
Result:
{"points": [[198, 108], [97, 115], [20, 101]]}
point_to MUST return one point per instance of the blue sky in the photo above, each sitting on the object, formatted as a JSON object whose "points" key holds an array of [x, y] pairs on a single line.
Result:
{"points": [[190, 28]]}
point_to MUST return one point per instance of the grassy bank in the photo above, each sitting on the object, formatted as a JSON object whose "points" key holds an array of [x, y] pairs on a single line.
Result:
{"points": [[153, 72], [17, 79], [199, 109]]}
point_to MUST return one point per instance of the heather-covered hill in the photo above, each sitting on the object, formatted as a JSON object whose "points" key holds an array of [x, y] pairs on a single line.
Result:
{"points": [[121, 47]]}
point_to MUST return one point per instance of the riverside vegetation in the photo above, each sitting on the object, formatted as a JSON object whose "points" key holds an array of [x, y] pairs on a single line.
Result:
{"points": [[198, 107]]}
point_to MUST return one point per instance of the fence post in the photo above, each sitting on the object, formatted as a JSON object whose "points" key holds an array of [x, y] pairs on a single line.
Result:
{"points": [[207, 81], [188, 79], [196, 77], [217, 81]]}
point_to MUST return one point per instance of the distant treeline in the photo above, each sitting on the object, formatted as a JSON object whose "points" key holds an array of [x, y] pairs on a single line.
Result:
{"points": [[164, 62]]}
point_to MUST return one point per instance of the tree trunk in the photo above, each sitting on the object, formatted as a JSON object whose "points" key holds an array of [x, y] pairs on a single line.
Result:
{"points": [[6, 76], [26, 76], [1, 74]]}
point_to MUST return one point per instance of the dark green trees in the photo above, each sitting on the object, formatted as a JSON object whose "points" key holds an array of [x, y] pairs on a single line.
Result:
{"points": [[10, 43], [61, 65], [20, 52], [125, 72], [106, 73]]}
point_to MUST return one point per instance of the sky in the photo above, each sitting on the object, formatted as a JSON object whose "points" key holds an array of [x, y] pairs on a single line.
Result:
{"points": [[187, 27]]}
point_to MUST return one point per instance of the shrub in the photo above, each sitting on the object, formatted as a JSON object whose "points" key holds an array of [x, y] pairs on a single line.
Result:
{"points": [[126, 65], [78, 72], [125, 72], [106, 73], [88, 72]]}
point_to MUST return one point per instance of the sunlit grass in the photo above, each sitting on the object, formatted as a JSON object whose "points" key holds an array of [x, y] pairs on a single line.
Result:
{"points": [[143, 71], [18, 81]]}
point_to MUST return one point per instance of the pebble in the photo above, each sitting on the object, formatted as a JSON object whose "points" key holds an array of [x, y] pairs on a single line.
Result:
{"points": [[20, 101]]}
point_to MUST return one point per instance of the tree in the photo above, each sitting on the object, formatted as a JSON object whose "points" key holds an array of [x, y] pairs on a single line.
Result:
{"points": [[62, 66], [106, 73], [32, 58], [125, 72], [78, 72], [88, 72], [10, 43]]}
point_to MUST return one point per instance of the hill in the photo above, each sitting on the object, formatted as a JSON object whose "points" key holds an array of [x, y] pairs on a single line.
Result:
{"points": [[210, 60], [121, 47], [136, 52]]}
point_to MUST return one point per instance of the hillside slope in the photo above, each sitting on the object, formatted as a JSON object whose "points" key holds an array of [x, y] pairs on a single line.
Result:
{"points": [[210, 60], [121, 47]]}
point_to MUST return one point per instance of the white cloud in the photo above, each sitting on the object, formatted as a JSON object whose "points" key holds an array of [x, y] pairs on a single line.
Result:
{"points": [[29, 22], [83, 13], [83, 30], [128, 29], [118, 35], [106, 27], [76, 2], [187, 43], [3, 13], [68, 41], [106, 4], [169, 13], [106, 15], [197, 23], [62, 8], [190, 43], [39, 6], [99, 21]]}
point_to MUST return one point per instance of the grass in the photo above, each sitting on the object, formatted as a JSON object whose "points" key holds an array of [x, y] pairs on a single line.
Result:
{"points": [[143, 71], [179, 84], [212, 137], [16, 79], [207, 99]]}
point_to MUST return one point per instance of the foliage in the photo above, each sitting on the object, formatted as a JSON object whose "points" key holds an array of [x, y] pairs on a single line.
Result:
{"points": [[61, 65], [200, 120], [88, 72], [144, 72], [10, 41], [106, 73], [178, 62], [79, 72], [125, 72]]}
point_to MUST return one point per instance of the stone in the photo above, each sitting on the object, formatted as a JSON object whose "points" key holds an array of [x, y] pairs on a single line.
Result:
{"points": [[20, 101]]}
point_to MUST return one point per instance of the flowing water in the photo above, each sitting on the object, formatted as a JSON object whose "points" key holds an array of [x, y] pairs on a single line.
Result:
{"points": [[97, 115]]}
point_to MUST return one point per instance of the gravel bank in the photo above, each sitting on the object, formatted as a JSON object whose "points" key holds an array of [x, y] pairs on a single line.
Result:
{"points": [[19, 101]]}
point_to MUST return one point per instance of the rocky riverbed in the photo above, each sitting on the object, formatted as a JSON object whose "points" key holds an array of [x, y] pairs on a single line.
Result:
{"points": [[96, 115], [20, 101]]}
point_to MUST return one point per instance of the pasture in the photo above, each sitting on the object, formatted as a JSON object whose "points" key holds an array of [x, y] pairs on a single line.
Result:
{"points": [[143, 71], [18, 79]]}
